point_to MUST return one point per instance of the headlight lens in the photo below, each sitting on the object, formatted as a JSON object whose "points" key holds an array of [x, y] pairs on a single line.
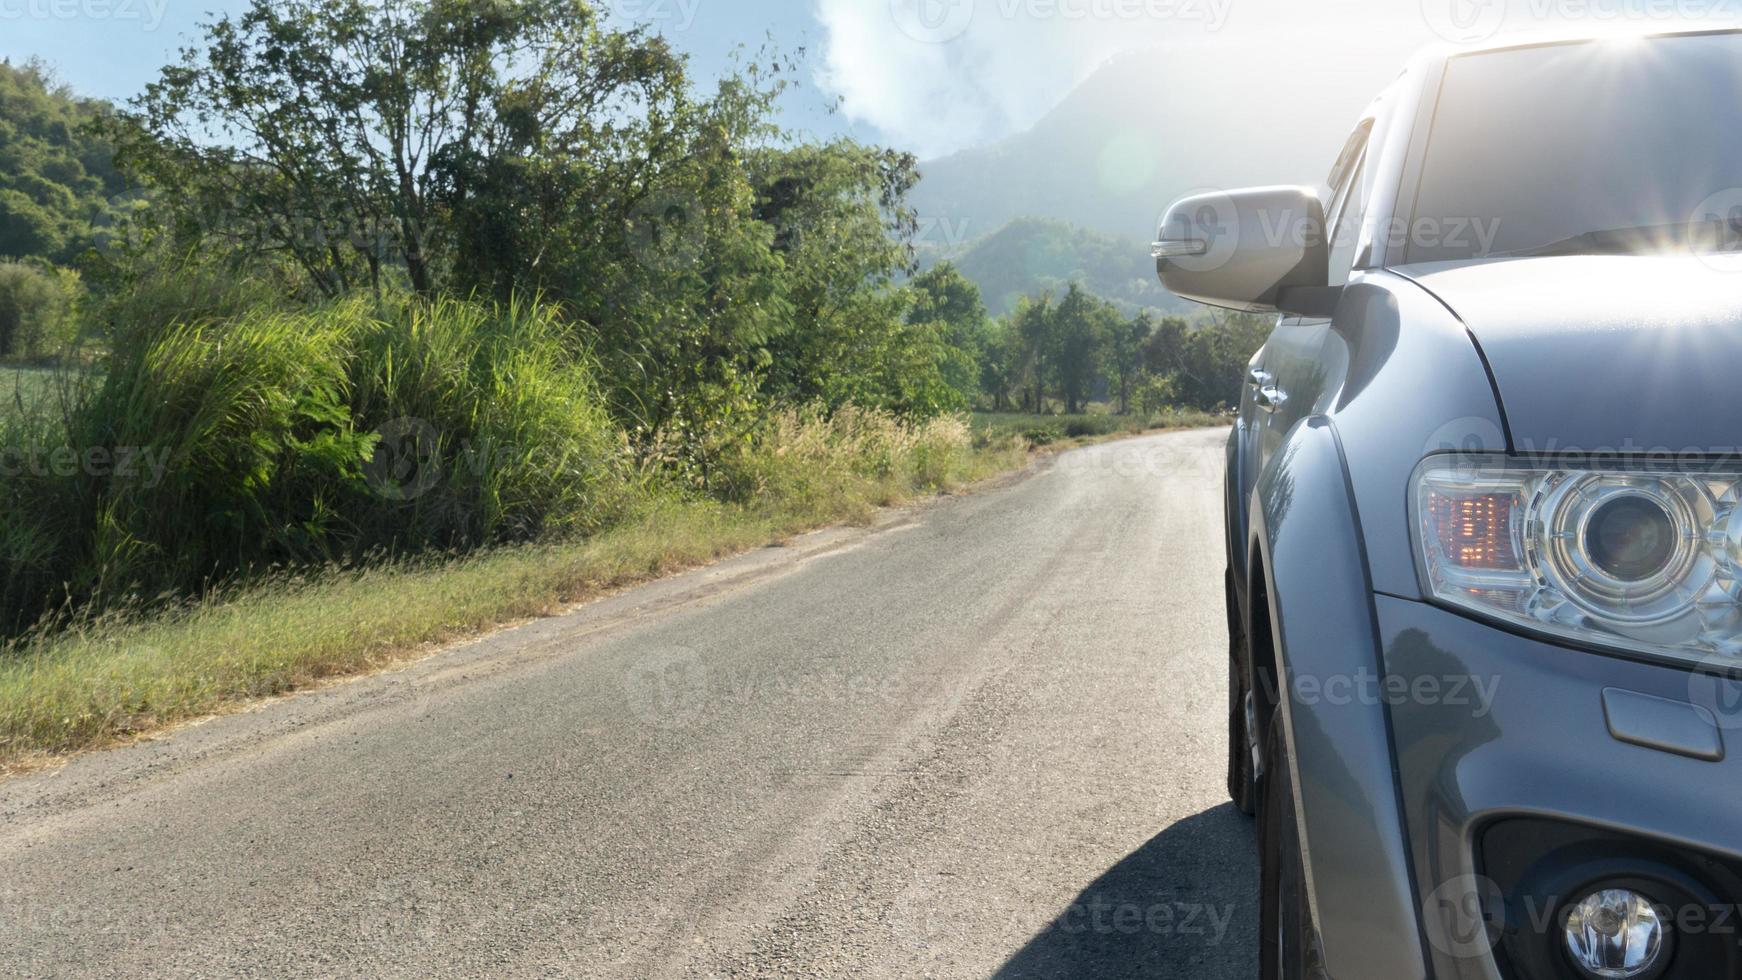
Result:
{"points": [[1641, 557]]}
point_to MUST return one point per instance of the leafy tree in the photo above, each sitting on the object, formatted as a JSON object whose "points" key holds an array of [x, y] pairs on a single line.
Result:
{"points": [[1208, 364], [351, 134], [840, 226], [37, 310], [1125, 356], [999, 359], [1035, 345], [1079, 326], [1155, 393], [946, 297]]}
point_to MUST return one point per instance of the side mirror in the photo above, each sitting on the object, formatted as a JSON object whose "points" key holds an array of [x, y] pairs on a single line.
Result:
{"points": [[1262, 250]]}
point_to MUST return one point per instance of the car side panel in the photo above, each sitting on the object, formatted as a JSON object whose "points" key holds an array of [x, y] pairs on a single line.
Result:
{"points": [[1320, 604], [1408, 382]]}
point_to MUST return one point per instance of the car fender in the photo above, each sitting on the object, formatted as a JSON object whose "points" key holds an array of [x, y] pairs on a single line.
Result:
{"points": [[1306, 539], [1234, 515]]}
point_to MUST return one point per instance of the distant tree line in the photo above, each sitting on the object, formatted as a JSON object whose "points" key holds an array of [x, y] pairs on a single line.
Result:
{"points": [[1060, 352]]}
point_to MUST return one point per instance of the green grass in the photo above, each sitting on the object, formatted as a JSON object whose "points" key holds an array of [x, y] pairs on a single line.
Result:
{"points": [[104, 681]]}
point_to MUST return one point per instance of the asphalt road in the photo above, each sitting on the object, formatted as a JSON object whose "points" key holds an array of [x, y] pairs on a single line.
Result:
{"points": [[983, 738]]}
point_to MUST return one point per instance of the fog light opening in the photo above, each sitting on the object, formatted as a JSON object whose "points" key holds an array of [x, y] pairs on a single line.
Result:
{"points": [[1616, 934]]}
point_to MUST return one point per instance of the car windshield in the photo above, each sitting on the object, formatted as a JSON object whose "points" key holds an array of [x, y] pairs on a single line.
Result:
{"points": [[1604, 147]]}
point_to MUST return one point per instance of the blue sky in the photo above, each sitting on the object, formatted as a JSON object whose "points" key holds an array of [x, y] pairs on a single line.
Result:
{"points": [[934, 76], [112, 48]]}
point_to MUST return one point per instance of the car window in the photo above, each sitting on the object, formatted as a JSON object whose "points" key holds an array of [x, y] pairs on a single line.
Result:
{"points": [[1347, 204], [1346, 225], [1579, 148]]}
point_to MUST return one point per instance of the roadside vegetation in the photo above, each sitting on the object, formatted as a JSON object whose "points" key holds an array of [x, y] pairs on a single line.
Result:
{"points": [[119, 675], [1037, 431], [361, 354]]}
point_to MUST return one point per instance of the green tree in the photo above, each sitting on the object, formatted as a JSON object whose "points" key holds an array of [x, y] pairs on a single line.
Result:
{"points": [[1125, 356], [37, 310], [1207, 364], [1079, 325], [1034, 338], [945, 297], [838, 220], [999, 365], [348, 134]]}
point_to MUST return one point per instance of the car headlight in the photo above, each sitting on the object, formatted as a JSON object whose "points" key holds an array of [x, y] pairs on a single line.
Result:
{"points": [[1639, 557]]}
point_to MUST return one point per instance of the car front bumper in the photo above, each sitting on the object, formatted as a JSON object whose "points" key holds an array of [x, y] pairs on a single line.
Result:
{"points": [[1490, 726]]}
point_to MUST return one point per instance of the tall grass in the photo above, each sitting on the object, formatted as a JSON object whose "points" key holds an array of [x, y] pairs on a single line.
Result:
{"points": [[222, 447]]}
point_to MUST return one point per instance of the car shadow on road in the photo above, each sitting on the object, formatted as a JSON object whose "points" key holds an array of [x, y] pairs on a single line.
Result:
{"points": [[1185, 905]]}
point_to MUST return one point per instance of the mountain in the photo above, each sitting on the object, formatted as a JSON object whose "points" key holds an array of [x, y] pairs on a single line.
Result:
{"points": [[57, 181], [1032, 255], [1150, 127]]}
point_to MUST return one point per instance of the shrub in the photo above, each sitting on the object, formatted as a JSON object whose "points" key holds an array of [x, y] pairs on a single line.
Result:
{"points": [[38, 310], [808, 459], [1094, 425], [303, 439], [155, 290], [509, 412], [1156, 393]]}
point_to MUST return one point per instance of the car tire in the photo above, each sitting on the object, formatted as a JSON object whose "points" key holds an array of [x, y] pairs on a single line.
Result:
{"points": [[1242, 780], [1288, 943]]}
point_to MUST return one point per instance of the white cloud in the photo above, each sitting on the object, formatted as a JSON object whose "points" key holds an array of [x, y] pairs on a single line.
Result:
{"points": [[941, 75], [936, 76]]}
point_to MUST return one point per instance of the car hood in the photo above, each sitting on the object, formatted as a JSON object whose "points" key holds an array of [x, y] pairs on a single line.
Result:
{"points": [[1628, 354]]}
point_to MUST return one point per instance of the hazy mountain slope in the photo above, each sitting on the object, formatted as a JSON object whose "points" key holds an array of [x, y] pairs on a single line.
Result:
{"points": [[1032, 255], [1147, 128]]}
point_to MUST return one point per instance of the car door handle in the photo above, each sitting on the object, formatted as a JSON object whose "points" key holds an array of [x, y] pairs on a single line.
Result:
{"points": [[1271, 398], [1259, 379]]}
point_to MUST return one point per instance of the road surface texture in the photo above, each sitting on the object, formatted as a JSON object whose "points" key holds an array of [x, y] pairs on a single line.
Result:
{"points": [[983, 738]]}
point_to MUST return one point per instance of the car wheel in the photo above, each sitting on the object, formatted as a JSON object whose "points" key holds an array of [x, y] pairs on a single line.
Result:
{"points": [[1242, 779], [1288, 943], [1242, 782]]}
